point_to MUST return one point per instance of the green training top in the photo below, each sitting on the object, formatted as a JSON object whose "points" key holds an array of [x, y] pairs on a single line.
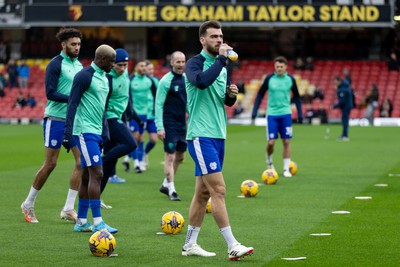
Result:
{"points": [[119, 96], [60, 74], [141, 88], [90, 111], [206, 106]]}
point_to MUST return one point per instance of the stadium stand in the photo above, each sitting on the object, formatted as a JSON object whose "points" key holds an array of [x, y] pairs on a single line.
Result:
{"points": [[252, 72]]}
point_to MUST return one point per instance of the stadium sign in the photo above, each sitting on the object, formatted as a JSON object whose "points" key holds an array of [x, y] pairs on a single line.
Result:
{"points": [[230, 15]]}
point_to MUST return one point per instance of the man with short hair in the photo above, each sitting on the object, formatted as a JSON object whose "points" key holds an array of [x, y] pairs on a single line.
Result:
{"points": [[208, 91], [60, 73], [86, 126], [279, 85], [170, 111]]}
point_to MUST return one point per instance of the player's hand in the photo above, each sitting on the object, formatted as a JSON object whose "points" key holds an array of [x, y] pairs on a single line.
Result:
{"points": [[141, 124], [223, 49], [161, 134], [67, 142], [232, 90]]}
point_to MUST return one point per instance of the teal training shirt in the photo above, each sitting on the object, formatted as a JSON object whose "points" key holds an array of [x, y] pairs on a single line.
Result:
{"points": [[279, 93], [60, 73], [119, 97], [279, 88], [206, 91], [141, 88], [93, 84]]}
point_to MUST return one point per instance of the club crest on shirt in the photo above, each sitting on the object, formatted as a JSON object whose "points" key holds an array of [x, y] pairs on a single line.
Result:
{"points": [[213, 165], [53, 142], [176, 88], [96, 158]]}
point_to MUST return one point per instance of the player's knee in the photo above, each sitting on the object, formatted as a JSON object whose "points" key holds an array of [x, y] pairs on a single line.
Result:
{"points": [[50, 164], [219, 191]]}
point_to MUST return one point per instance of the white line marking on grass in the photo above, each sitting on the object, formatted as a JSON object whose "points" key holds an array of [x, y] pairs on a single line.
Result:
{"points": [[294, 259], [241, 196], [363, 197], [394, 174], [341, 212], [160, 233], [381, 185], [321, 234], [114, 255]]}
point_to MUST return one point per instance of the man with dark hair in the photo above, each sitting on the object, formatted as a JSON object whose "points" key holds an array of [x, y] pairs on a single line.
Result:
{"points": [[345, 103], [208, 91], [60, 73], [170, 111], [86, 126], [279, 85]]}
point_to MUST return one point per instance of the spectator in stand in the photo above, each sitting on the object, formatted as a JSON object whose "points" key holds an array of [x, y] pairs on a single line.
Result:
{"points": [[3, 52], [3, 83], [318, 93], [371, 100], [31, 101], [20, 102], [309, 65], [299, 64], [385, 110], [12, 70], [23, 74], [393, 63]]}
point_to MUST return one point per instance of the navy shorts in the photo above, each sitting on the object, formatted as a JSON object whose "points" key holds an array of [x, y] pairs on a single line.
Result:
{"points": [[175, 140]]}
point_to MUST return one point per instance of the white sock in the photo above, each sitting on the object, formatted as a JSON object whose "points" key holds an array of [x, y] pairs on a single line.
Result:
{"points": [[70, 203], [269, 160], [126, 159], [228, 236], [97, 220], [81, 221], [171, 187], [165, 182], [191, 235], [286, 163], [30, 200], [136, 163]]}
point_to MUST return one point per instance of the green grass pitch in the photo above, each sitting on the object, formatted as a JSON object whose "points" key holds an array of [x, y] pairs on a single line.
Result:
{"points": [[277, 222]]}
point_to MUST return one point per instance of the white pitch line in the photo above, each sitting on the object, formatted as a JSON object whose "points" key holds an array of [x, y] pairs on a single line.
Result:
{"points": [[394, 174], [341, 212], [321, 234], [381, 185], [363, 197], [294, 259]]}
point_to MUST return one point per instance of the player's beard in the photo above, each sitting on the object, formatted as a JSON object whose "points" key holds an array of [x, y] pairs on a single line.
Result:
{"points": [[213, 50], [70, 53]]}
